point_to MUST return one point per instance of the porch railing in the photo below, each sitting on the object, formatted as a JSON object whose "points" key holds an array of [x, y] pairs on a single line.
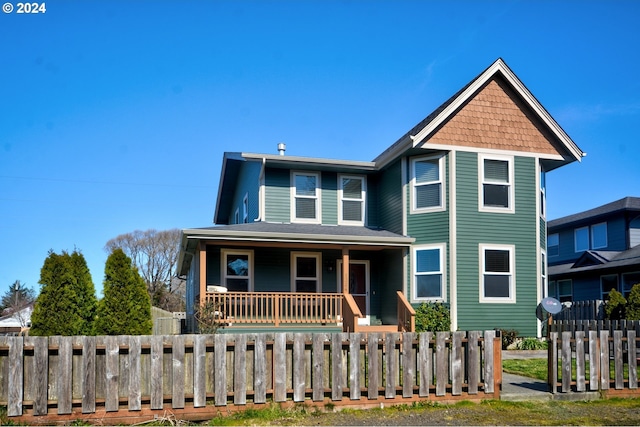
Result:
{"points": [[276, 308], [406, 314]]}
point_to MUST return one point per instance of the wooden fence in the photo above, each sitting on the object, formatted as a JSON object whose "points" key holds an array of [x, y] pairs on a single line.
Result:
{"points": [[115, 379], [596, 325], [582, 310], [594, 360]]}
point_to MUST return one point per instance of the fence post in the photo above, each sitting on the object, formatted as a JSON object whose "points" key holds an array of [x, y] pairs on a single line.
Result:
{"points": [[552, 360]]}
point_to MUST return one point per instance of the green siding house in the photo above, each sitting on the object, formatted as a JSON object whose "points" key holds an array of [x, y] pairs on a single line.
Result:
{"points": [[453, 212]]}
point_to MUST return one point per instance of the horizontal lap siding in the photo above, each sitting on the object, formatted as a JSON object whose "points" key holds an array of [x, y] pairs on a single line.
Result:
{"points": [[329, 183], [248, 183], [277, 195], [519, 229], [390, 198]]}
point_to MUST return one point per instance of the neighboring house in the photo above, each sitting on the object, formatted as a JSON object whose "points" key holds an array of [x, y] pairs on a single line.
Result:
{"points": [[17, 322], [453, 212], [595, 251]]}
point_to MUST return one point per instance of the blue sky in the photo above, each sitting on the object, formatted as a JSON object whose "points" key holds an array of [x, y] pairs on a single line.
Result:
{"points": [[114, 115]]}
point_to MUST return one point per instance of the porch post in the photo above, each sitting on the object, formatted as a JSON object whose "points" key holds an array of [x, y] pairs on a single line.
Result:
{"points": [[202, 253], [345, 270]]}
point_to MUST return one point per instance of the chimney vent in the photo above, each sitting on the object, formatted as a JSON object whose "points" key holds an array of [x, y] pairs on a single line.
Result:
{"points": [[282, 147]]}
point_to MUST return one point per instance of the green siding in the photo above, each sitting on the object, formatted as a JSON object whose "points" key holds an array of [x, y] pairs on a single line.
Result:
{"points": [[329, 191], [277, 195], [543, 233], [390, 198], [518, 229]]}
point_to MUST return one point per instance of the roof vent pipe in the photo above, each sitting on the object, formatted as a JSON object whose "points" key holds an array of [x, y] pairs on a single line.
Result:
{"points": [[282, 147]]}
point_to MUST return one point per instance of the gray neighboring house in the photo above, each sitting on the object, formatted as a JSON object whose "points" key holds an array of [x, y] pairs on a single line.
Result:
{"points": [[592, 252]]}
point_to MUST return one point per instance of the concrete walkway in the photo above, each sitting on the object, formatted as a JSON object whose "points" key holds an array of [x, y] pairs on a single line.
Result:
{"points": [[519, 388]]}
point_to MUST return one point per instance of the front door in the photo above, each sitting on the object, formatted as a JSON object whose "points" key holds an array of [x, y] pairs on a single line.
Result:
{"points": [[358, 286]]}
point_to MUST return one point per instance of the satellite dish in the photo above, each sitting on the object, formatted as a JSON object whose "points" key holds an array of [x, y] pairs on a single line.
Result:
{"points": [[551, 305]]}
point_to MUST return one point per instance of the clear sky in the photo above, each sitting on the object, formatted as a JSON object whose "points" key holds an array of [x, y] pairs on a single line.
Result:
{"points": [[114, 115]]}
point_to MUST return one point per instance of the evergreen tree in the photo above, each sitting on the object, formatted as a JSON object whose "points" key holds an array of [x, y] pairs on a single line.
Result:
{"points": [[126, 306], [66, 304], [633, 303], [614, 308]]}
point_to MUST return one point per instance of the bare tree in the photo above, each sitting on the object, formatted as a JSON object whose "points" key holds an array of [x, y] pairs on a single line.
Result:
{"points": [[155, 254], [14, 302]]}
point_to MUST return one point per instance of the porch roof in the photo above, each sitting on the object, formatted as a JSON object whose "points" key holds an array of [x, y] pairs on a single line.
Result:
{"points": [[267, 232]]}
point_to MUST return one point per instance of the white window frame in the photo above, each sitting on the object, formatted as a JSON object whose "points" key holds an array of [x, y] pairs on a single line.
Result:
{"points": [[512, 273], [593, 234], [575, 239], [317, 198], [544, 268], [553, 246], [362, 199], [543, 194], [236, 216], [294, 269], [245, 208], [415, 185], [482, 182], [442, 272], [223, 267]]}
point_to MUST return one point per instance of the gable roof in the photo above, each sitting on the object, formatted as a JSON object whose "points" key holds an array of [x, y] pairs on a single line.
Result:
{"points": [[625, 204], [600, 261], [567, 150]]}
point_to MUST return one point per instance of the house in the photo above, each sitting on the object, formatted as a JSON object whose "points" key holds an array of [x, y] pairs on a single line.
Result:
{"points": [[16, 321], [592, 252], [453, 212]]}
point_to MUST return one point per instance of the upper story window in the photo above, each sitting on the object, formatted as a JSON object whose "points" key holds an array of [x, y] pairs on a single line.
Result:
{"points": [[305, 196], [590, 237], [496, 183], [427, 184], [599, 236], [245, 209], [497, 274], [553, 244], [237, 270], [351, 200], [428, 273], [543, 194]]}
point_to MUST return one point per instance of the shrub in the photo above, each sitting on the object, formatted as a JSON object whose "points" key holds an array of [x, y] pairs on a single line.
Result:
{"points": [[207, 316], [433, 317], [531, 344], [633, 303], [614, 308]]}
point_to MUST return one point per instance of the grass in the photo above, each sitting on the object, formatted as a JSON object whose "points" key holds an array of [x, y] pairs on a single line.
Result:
{"points": [[537, 368]]}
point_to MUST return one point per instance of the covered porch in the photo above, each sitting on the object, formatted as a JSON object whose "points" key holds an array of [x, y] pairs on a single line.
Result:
{"points": [[264, 276]]}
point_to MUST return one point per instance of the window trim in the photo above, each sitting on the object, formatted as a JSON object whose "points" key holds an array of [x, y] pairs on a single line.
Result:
{"points": [[482, 248], [575, 239], [317, 198], [443, 272], [414, 185], [543, 193], [481, 182], [549, 254], [563, 297], [623, 284], [294, 269], [245, 208], [223, 266], [236, 216], [592, 235], [362, 200], [602, 293]]}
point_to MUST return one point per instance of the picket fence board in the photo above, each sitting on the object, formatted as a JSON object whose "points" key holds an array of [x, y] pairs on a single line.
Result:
{"points": [[489, 361], [373, 379], [426, 364], [354, 366], [473, 362]]}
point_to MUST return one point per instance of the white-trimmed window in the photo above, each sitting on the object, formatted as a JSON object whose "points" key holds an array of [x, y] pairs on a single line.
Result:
{"points": [[351, 199], [581, 239], [245, 209], [427, 183], [497, 274], [306, 271], [543, 271], [607, 283], [496, 183], [543, 194], [237, 270], [236, 217], [553, 244], [305, 194], [599, 236], [428, 278]]}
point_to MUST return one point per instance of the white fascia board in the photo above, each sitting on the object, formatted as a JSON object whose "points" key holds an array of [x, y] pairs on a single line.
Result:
{"points": [[294, 238], [500, 66]]}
